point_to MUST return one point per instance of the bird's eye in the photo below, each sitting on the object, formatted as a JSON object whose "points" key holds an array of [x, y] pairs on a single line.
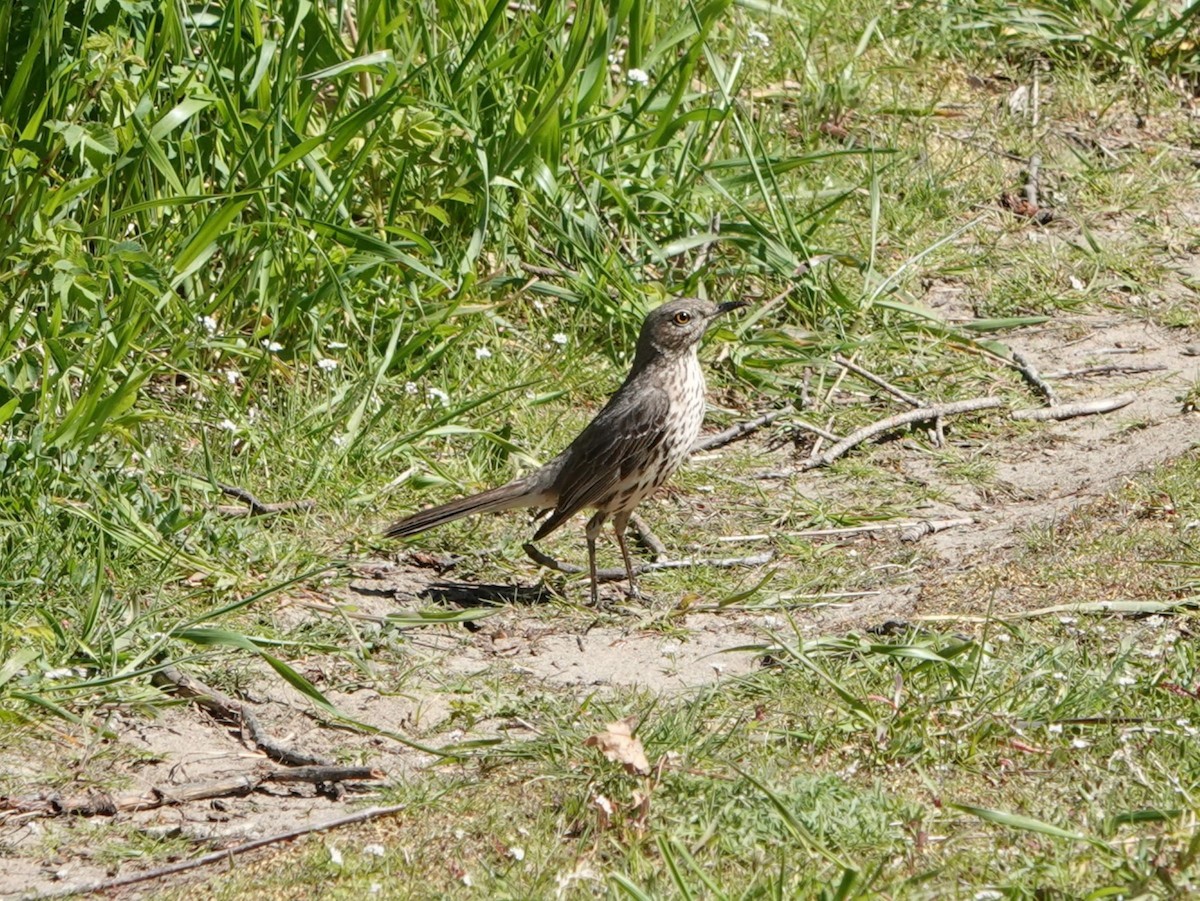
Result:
{"points": [[683, 317]]}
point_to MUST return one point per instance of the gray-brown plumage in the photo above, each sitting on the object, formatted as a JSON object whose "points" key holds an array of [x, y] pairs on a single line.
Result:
{"points": [[632, 447]]}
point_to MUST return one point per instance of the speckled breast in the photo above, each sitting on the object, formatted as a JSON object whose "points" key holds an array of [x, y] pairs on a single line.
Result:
{"points": [[685, 416]]}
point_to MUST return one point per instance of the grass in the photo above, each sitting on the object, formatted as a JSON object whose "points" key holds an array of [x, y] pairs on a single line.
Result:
{"points": [[379, 254]]}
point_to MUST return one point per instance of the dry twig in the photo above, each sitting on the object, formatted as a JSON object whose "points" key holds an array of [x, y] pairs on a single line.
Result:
{"points": [[224, 855], [878, 380], [614, 575], [900, 419], [98, 803], [740, 430], [1070, 411], [234, 713], [1030, 373], [254, 507], [647, 537], [1106, 369]]}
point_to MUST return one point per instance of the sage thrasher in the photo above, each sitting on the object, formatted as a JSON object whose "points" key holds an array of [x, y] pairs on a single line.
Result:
{"points": [[634, 444]]}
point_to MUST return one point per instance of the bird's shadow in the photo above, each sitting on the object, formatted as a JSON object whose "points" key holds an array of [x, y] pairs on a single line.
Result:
{"points": [[474, 594]]}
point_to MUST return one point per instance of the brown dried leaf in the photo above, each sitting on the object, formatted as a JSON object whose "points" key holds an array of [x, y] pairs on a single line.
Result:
{"points": [[618, 744]]}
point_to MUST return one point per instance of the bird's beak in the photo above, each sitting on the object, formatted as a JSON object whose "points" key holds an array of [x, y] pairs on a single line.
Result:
{"points": [[730, 305]]}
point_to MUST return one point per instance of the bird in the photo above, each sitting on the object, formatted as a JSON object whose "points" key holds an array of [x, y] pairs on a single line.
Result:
{"points": [[632, 446]]}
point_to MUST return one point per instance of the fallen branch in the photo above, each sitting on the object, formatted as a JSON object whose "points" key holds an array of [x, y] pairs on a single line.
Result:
{"points": [[647, 537], [740, 430], [1070, 411], [920, 529], [1085, 608], [900, 419], [1106, 369], [254, 507], [222, 856], [877, 380], [615, 575], [815, 429], [1030, 373], [233, 713], [97, 803]]}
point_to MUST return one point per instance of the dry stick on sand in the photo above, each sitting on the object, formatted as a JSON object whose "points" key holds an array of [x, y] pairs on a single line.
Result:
{"points": [[1106, 369], [909, 416], [98, 803], [821, 433], [1065, 411], [918, 529], [1070, 411], [613, 575], [647, 537], [234, 713], [740, 430], [225, 855], [1030, 373], [877, 380]]}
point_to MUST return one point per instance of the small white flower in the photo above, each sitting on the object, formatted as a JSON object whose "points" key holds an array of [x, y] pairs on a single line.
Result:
{"points": [[232, 376], [467, 880], [208, 323], [637, 76], [1076, 283], [65, 672], [338, 345], [327, 363], [1079, 744], [482, 353], [538, 305], [1125, 680], [374, 850], [758, 37], [516, 853], [1054, 728], [559, 338], [339, 440], [228, 425], [460, 834], [410, 388], [272, 346], [439, 395]]}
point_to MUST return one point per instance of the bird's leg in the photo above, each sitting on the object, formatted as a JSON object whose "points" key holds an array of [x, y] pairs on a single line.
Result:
{"points": [[620, 523], [593, 532]]}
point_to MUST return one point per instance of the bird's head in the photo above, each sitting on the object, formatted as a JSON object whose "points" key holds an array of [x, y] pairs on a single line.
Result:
{"points": [[680, 324]]}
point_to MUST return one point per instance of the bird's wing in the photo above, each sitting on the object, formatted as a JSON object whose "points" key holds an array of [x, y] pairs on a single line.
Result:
{"points": [[619, 440]]}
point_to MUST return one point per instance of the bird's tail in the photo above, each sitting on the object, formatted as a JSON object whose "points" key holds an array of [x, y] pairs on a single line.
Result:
{"points": [[526, 492]]}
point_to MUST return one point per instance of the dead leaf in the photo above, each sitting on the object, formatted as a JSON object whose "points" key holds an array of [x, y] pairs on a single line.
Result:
{"points": [[605, 811], [618, 744]]}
